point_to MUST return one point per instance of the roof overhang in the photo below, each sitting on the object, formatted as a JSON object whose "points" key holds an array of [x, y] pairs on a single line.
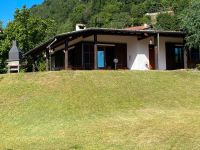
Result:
{"points": [[103, 31]]}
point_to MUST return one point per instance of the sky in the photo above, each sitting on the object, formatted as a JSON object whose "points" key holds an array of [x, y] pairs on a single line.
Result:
{"points": [[8, 7]]}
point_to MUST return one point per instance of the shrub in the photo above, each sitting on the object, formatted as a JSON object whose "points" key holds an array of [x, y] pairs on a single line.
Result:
{"points": [[3, 70], [198, 67], [41, 65]]}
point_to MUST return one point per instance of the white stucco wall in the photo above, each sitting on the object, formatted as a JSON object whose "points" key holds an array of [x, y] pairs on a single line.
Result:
{"points": [[142, 55], [137, 51]]}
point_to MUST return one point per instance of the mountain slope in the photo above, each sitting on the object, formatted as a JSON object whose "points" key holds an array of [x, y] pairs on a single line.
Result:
{"points": [[105, 13]]}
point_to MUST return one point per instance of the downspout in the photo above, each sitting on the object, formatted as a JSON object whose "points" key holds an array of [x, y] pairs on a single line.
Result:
{"points": [[158, 49], [50, 52], [66, 54], [49, 46]]}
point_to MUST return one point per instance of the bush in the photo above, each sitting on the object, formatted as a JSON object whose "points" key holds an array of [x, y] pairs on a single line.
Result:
{"points": [[3, 70], [198, 67], [167, 21], [22, 70], [41, 65]]}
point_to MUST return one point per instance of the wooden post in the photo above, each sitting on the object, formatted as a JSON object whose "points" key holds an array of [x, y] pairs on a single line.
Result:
{"points": [[95, 51], [34, 66], [66, 54], [50, 68], [156, 51], [186, 54], [82, 56], [47, 60]]}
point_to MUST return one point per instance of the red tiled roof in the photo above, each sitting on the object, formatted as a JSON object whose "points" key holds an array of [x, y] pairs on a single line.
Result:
{"points": [[137, 28]]}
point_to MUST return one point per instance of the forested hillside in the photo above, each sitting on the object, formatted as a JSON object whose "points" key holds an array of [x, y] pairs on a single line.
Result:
{"points": [[109, 13]]}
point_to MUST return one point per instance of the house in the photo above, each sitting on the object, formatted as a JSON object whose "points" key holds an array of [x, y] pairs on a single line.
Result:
{"points": [[96, 48]]}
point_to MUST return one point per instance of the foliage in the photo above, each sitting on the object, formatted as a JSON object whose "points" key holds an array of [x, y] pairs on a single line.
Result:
{"points": [[104, 13], [191, 23], [180, 5], [153, 6], [109, 13], [4, 46], [67, 26], [137, 15], [1, 30], [28, 30], [198, 67], [80, 14], [3, 70], [167, 21], [41, 65]]}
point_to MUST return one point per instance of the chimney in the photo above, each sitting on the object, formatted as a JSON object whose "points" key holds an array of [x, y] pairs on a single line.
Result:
{"points": [[80, 27], [146, 26]]}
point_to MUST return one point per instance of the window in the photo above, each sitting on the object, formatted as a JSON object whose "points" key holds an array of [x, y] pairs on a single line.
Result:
{"points": [[178, 54], [88, 56]]}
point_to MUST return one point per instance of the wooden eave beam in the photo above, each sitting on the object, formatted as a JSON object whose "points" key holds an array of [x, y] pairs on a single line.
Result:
{"points": [[61, 42], [95, 51], [144, 36]]}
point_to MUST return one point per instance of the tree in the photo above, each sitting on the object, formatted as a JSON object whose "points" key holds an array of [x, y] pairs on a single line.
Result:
{"points": [[180, 5], [191, 24], [2, 51], [81, 14], [1, 27], [1, 31], [167, 21], [28, 30], [138, 14], [153, 6]]}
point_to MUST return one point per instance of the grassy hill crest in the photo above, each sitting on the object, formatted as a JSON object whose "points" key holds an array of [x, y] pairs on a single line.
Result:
{"points": [[100, 110]]}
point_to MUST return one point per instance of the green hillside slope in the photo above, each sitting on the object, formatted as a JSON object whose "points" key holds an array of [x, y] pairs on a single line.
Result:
{"points": [[100, 110], [109, 13]]}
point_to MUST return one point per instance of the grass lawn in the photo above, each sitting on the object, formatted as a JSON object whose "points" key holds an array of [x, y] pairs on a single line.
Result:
{"points": [[91, 110]]}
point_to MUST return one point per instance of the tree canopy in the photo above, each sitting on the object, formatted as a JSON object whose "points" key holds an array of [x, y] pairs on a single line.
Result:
{"points": [[27, 29], [190, 19], [110, 13], [106, 13]]}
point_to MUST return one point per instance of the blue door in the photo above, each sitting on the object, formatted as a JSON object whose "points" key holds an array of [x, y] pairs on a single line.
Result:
{"points": [[100, 58]]}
